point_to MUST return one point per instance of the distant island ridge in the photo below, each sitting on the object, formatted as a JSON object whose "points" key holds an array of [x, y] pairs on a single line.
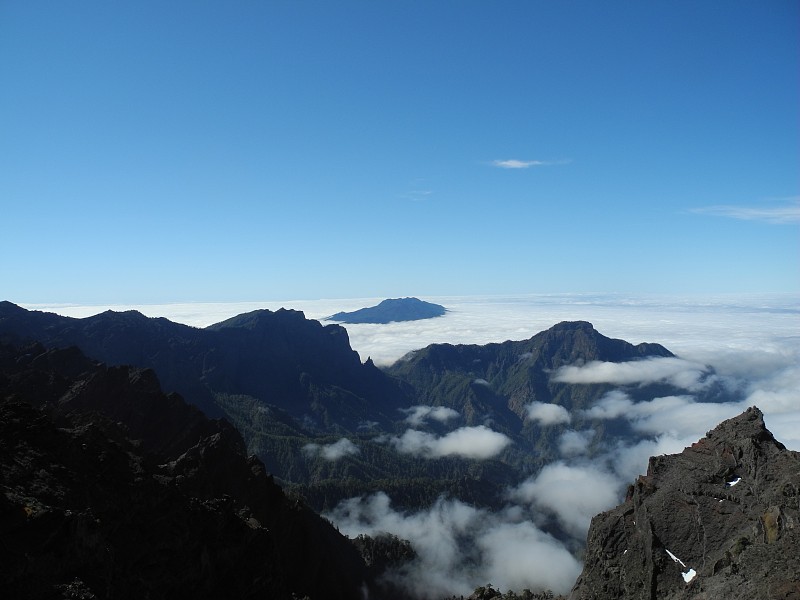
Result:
{"points": [[390, 311]]}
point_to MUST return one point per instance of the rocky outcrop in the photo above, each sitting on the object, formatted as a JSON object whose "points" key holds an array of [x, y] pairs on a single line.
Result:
{"points": [[719, 520], [111, 489]]}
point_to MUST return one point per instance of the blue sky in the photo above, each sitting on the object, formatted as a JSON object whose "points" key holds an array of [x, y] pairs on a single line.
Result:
{"points": [[210, 151]]}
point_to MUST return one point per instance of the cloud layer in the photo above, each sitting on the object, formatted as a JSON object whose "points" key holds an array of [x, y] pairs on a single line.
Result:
{"points": [[751, 343], [460, 547], [676, 371]]}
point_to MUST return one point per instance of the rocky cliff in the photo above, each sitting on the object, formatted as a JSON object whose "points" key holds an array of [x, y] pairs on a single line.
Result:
{"points": [[111, 489], [719, 520], [280, 359]]}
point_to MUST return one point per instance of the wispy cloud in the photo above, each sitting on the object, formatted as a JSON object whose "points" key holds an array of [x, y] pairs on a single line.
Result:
{"points": [[573, 493], [788, 212], [514, 163], [677, 371], [332, 452], [417, 415], [416, 195]]}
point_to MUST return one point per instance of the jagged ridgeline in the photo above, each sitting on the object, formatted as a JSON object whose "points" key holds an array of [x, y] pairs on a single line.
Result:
{"points": [[112, 489], [719, 520], [327, 425]]}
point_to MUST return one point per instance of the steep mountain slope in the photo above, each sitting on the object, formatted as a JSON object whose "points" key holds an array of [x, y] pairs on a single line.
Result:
{"points": [[496, 378], [497, 384], [280, 359], [727, 509], [392, 310], [112, 489]]}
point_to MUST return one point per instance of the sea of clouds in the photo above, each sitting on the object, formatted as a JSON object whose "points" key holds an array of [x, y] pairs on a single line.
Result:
{"points": [[750, 345]]}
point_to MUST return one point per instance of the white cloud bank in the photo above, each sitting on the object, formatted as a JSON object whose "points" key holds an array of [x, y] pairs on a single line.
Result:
{"points": [[332, 452], [468, 442], [574, 494], [460, 547], [751, 342]]}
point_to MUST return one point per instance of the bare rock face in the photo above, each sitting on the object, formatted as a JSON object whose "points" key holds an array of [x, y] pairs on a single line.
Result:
{"points": [[110, 488], [719, 520]]}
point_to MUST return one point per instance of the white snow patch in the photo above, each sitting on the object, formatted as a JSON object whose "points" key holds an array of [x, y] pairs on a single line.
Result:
{"points": [[689, 574], [675, 558]]}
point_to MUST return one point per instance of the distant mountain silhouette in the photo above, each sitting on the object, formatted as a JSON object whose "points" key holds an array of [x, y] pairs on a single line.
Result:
{"points": [[113, 489], [392, 310]]}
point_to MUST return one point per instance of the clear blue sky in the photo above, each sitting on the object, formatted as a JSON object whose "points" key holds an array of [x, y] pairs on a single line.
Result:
{"points": [[187, 150]]}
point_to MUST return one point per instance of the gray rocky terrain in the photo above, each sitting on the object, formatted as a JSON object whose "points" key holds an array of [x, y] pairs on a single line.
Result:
{"points": [[720, 520]]}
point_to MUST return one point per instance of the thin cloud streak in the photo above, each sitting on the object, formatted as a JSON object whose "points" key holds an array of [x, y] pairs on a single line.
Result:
{"points": [[514, 163], [776, 215], [331, 452]]}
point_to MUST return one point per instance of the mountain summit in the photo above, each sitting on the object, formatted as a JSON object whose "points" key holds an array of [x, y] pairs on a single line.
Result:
{"points": [[392, 310], [718, 520]]}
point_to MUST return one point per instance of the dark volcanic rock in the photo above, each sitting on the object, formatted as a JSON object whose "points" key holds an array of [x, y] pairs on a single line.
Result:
{"points": [[499, 380], [279, 358], [111, 489], [728, 507], [392, 310]]}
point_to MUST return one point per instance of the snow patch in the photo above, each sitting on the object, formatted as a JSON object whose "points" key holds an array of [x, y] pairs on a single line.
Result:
{"points": [[689, 574], [675, 558]]}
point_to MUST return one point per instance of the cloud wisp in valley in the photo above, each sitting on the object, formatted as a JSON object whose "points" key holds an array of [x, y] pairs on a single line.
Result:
{"points": [[459, 546], [332, 452], [676, 371], [468, 442]]}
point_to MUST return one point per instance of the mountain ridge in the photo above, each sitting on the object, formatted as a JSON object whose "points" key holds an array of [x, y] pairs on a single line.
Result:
{"points": [[113, 489], [718, 520], [294, 387]]}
